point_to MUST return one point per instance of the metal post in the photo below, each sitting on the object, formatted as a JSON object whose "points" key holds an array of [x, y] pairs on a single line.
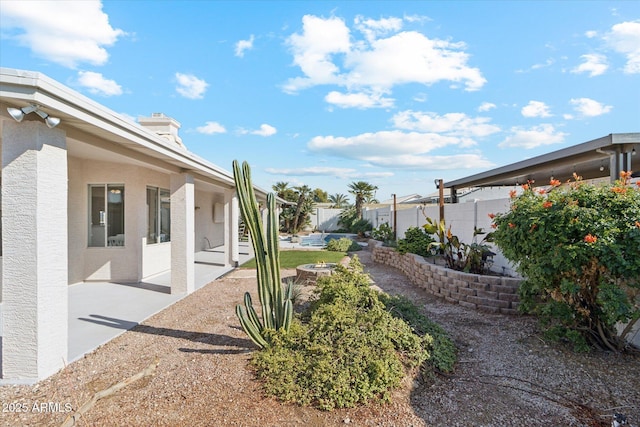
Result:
{"points": [[441, 198], [395, 221]]}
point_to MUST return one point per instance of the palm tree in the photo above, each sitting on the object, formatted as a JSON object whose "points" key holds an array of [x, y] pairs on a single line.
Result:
{"points": [[280, 188], [304, 192], [362, 191], [338, 200]]}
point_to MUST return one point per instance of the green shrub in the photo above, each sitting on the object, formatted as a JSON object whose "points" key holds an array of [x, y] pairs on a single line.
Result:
{"points": [[346, 350], [442, 349], [344, 244], [578, 248], [416, 241], [383, 233]]}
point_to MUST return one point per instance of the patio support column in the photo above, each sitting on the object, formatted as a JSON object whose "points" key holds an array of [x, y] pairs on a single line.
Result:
{"points": [[233, 254], [34, 242], [182, 234]]}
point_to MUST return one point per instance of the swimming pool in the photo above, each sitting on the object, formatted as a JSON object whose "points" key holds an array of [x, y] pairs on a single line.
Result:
{"points": [[321, 239]]}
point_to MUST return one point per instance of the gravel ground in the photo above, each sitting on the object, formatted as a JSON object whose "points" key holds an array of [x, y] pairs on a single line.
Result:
{"points": [[506, 374]]}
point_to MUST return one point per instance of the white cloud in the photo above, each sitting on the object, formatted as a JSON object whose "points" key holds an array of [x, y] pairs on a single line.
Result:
{"points": [[342, 173], [591, 34], [398, 149], [372, 28], [265, 130], [65, 32], [486, 106], [589, 108], [458, 124], [549, 62], [97, 84], [358, 100], [624, 38], [456, 161], [327, 53], [190, 86], [211, 128], [312, 51], [243, 45], [535, 109], [544, 134], [594, 64]]}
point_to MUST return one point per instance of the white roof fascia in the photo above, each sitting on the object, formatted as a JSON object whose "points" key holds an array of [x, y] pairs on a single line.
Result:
{"points": [[34, 87]]}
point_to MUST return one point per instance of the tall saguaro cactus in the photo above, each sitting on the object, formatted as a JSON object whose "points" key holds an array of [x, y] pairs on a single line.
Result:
{"points": [[277, 311]]}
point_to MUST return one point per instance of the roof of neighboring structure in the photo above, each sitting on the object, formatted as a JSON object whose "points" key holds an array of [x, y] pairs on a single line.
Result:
{"points": [[592, 159], [109, 131]]}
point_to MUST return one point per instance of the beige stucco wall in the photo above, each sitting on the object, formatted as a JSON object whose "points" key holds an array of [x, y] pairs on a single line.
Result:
{"points": [[124, 263], [206, 204]]}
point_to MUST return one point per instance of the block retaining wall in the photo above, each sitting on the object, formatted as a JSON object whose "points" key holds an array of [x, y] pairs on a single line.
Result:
{"points": [[493, 294]]}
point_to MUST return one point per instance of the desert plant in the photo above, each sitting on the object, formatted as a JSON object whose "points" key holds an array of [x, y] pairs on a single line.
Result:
{"points": [[349, 350], [442, 349], [416, 241], [343, 244], [470, 258], [362, 191], [277, 310], [350, 222], [578, 247], [383, 233]]}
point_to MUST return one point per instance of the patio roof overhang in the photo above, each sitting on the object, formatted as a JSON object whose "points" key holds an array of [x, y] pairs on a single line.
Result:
{"points": [[81, 116], [599, 158]]}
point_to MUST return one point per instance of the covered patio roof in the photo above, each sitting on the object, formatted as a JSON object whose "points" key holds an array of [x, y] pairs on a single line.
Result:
{"points": [[599, 158], [91, 126]]}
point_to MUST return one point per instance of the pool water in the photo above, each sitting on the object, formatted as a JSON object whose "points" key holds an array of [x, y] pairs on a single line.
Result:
{"points": [[322, 239]]}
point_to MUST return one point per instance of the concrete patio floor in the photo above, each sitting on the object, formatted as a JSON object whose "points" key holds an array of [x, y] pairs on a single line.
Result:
{"points": [[100, 311]]}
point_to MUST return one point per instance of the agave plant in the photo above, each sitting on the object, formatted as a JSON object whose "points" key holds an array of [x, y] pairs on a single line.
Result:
{"points": [[277, 308]]}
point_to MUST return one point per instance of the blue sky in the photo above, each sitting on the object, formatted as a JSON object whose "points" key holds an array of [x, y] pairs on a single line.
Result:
{"points": [[326, 93]]}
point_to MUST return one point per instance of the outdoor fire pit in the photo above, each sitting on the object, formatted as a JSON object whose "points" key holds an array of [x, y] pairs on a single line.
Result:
{"points": [[307, 273]]}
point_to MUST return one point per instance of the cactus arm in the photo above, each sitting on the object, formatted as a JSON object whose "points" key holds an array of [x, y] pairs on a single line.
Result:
{"points": [[287, 315], [273, 261], [249, 328], [251, 313]]}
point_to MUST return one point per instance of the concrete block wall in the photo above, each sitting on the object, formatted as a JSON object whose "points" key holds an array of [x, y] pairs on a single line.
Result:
{"points": [[495, 294]]}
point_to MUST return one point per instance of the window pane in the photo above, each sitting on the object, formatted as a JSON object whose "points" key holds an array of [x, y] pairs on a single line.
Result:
{"points": [[152, 215], [96, 216], [115, 215], [165, 216]]}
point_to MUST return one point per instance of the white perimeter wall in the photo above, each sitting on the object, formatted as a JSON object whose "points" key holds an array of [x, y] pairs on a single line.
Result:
{"points": [[462, 217]]}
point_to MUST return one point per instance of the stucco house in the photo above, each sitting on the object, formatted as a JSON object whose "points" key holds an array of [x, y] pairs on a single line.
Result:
{"points": [[93, 197]]}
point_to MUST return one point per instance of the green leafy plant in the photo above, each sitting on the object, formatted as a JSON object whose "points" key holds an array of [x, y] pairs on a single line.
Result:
{"points": [[345, 350], [343, 244], [416, 241], [352, 223], [470, 258], [578, 247], [383, 233], [277, 309], [442, 350]]}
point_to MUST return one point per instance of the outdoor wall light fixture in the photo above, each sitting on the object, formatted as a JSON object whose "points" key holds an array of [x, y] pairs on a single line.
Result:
{"points": [[19, 113]]}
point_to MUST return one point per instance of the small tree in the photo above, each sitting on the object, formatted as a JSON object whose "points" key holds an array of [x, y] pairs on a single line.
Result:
{"points": [[578, 248], [362, 191], [339, 201]]}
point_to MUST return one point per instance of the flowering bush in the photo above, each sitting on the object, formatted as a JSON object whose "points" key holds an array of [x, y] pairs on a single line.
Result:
{"points": [[578, 247]]}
